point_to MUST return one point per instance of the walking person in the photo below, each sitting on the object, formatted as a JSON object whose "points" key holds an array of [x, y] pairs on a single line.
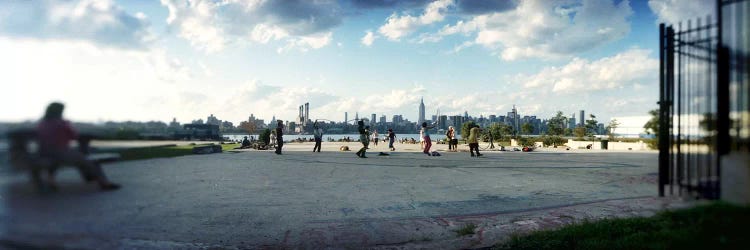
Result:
{"points": [[375, 136], [364, 137], [426, 138], [279, 136], [318, 133], [473, 142], [391, 139]]}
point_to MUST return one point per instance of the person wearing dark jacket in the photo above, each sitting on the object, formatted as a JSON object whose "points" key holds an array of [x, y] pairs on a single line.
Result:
{"points": [[279, 136], [364, 137], [391, 139]]}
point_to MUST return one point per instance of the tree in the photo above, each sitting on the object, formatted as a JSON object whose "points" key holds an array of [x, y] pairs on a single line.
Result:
{"points": [[265, 136], [500, 130], [465, 129], [527, 128], [652, 127], [591, 125], [557, 124], [613, 124], [248, 127], [579, 132]]}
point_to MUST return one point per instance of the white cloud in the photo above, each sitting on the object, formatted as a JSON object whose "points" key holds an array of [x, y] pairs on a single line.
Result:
{"points": [[368, 39], [399, 26], [101, 22], [96, 82], [304, 43], [547, 29], [212, 25], [674, 11], [581, 75]]}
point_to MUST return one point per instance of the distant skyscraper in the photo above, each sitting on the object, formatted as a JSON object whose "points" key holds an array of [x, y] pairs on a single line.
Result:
{"points": [[397, 119], [213, 120], [382, 119], [346, 117], [356, 116], [420, 120], [583, 118], [572, 121], [373, 121], [307, 113], [442, 122]]}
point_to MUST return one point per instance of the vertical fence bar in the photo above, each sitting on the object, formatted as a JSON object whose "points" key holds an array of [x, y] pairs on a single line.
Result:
{"points": [[663, 153], [722, 93], [680, 61], [671, 106]]}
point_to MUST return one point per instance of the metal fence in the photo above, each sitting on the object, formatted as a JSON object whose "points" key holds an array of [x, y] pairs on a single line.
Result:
{"points": [[703, 103]]}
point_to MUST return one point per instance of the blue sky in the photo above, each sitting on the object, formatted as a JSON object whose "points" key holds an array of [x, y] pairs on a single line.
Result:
{"points": [[155, 60]]}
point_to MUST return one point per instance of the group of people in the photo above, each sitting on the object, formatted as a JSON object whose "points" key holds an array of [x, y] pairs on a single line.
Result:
{"points": [[365, 136]]}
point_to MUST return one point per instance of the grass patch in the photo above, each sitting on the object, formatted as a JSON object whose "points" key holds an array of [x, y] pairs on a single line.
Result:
{"points": [[468, 229], [161, 152], [714, 226]]}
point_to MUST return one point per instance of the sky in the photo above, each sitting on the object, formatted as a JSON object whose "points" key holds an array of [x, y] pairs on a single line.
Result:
{"points": [[143, 60]]}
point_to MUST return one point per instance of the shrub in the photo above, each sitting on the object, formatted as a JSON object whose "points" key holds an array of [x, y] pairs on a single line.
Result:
{"points": [[265, 136], [553, 140]]}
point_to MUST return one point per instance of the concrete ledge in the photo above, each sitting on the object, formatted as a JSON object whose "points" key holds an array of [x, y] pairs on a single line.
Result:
{"points": [[207, 149]]}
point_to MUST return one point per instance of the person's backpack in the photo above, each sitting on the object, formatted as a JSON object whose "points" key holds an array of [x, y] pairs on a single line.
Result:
{"points": [[448, 134]]}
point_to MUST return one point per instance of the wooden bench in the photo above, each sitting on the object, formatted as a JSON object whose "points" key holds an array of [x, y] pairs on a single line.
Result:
{"points": [[23, 156]]}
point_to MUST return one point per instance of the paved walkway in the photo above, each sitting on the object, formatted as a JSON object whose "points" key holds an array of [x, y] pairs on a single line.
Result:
{"points": [[253, 199]]}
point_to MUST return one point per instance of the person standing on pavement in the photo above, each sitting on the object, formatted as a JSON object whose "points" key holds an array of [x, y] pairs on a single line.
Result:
{"points": [[375, 136], [364, 138], [451, 134], [279, 136], [391, 139], [473, 142], [318, 133], [426, 138]]}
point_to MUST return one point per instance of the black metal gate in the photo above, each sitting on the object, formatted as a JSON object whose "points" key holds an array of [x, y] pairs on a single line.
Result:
{"points": [[703, 103]]}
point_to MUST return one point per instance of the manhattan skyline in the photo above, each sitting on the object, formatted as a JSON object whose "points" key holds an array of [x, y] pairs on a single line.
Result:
{"points": [[154, 60]]}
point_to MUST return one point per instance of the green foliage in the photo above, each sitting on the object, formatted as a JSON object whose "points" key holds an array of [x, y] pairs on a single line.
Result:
{"points": [[591, 125], [556, 125], [127, 134], [265, 136], [500, 131], [527, 128], [468, 229], [553, 140], [526, 141], [465, 129], [579, 132], [652, 126], [714, 226], [613, 124]]}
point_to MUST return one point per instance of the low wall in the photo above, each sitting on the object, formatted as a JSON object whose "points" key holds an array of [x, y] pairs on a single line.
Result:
{"points": [[612, 145]]}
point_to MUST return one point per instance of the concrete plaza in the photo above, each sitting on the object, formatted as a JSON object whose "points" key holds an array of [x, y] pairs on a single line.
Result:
{"points": [[256, 199]]}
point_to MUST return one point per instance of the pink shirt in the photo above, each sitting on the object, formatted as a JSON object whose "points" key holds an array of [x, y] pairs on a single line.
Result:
{"points": [[54, 135]]}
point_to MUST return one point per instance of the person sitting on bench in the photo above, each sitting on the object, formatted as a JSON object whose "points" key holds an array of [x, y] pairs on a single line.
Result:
{"points": [[54, 135]]}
